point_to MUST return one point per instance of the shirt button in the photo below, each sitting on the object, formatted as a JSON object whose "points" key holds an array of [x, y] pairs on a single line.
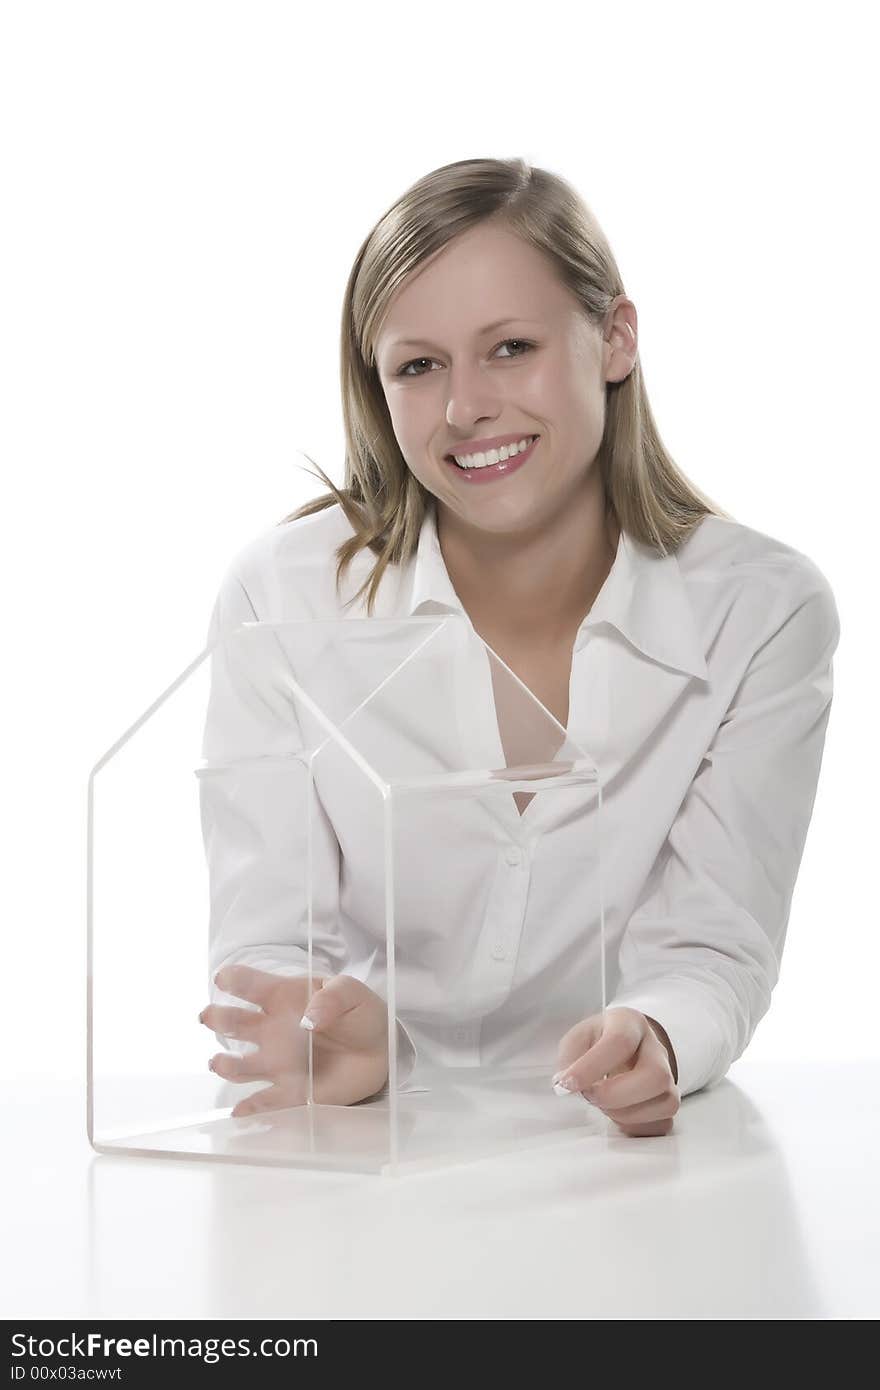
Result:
{"points": [[513, 857], [461, 1035], [498, 951]]}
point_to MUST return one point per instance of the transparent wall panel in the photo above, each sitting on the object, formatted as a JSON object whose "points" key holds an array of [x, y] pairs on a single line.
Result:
{"points": [[291, 811]]}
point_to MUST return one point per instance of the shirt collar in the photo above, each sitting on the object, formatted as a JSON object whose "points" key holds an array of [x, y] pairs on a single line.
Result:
{"points": [[644, 597]]}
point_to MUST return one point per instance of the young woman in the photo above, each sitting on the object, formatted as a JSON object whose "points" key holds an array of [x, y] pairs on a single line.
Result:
{"points": [[503, 462]]}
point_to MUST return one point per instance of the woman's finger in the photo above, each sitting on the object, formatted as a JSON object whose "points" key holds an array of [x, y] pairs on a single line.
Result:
{"points": [[578, 1040], [232, 1023], [232, 1068], [648, 1078], [337, 997], [256, 986], [648, 1131], [278, 1097], [622, 1033], [661, 1107]]}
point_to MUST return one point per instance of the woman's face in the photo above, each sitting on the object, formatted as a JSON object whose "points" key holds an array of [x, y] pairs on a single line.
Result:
{"points": [[450, 380]]}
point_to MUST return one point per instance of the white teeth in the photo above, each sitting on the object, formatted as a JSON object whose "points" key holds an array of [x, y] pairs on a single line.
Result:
{"points": [[494, 455]]}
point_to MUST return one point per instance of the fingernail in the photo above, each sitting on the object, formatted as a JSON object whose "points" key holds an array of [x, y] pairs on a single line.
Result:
{"points": [[306, 1022], [202, 1016], [210, 1064], [564, 1085]]}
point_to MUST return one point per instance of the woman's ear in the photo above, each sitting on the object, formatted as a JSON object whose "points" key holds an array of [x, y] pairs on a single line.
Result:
{"points": [[621, 339]]}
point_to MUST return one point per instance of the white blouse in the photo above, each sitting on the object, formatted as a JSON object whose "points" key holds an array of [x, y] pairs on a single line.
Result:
{"points": [[701, 685]]}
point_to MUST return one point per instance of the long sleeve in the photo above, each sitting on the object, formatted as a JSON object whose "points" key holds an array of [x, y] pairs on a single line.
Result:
{"points": [[702, 951], [254, 824]]}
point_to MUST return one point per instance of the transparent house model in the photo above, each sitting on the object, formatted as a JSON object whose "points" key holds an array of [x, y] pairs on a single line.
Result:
{"points": [[293, 803]]}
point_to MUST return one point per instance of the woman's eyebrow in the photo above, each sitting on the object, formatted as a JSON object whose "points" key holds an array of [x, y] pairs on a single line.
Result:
{"points": [[481, 332]]}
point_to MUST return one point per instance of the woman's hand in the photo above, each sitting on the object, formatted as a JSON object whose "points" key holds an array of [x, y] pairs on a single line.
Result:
{"points": [[640, 1092], [350, 1038]]}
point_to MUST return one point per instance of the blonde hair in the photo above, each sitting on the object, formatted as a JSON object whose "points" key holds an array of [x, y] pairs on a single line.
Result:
{"points": [[384, 502]]}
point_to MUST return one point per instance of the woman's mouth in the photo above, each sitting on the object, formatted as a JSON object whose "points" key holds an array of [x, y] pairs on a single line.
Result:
{"points": [[490, 472]]}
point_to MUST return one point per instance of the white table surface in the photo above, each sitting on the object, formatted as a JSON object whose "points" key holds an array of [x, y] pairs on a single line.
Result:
{"points": [[762, 1203]]}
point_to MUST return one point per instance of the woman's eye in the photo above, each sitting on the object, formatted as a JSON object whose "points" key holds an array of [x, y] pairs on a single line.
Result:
{"points": [[404, 371], [519, 341]]}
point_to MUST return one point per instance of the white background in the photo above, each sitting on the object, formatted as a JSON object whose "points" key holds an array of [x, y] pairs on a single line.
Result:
{"points": [[185, 186]]}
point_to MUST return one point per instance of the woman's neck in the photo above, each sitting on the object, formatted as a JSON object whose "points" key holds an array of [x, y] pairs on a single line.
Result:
{"points": [[536, 586]]}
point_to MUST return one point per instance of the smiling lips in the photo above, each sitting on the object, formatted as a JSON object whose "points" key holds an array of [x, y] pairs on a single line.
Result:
{"points": [[493, 471]]}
